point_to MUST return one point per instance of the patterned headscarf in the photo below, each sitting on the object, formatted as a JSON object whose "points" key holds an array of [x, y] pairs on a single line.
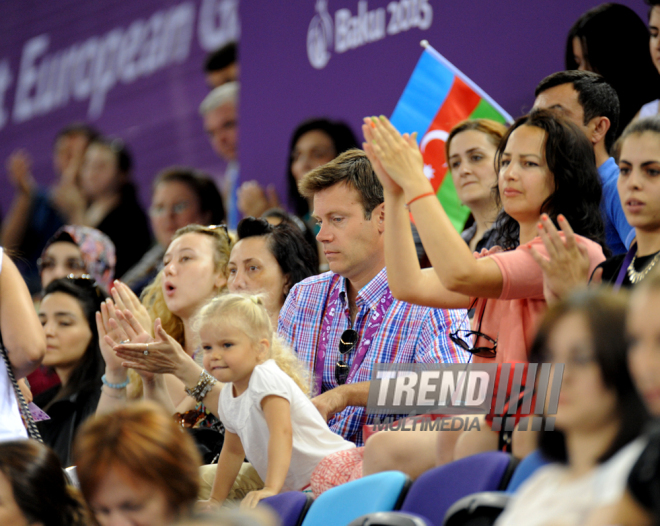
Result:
{"points": [[98, 251]]}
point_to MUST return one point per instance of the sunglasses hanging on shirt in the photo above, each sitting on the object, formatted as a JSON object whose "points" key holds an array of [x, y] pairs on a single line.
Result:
{"points": [[347, 342]]}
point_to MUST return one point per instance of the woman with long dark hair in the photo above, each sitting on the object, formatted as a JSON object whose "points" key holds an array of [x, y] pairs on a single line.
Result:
{"points": [[599, 414], [612, 40], [67, 314], [546, 168], [108, 200], [314, 142]]}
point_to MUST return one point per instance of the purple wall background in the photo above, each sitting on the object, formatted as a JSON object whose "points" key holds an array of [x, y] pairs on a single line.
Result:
{"points": [[506, 47]]}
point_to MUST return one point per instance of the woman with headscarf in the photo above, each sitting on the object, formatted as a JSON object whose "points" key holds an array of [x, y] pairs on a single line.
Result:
{"points": [[73, 250]]}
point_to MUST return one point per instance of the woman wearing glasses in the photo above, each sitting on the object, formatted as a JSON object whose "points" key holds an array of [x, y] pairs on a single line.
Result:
{"points": [[72, 349], [181, 197], [546, 166]]}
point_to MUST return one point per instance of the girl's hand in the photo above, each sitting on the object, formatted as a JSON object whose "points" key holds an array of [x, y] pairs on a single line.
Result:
{"points": [[567, 266], [163, 355], [126, 299], [399, 156], [252, 499]]}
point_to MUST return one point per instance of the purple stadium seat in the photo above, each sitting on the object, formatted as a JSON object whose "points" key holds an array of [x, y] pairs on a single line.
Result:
{"points": [[435, 491], [291, 506]]}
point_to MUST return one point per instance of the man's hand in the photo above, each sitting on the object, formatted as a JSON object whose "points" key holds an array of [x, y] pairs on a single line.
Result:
{"points": [[330, 403]]}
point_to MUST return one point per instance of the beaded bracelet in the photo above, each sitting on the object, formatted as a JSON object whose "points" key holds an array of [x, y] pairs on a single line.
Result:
{"points": [[115, 386], [203, 387]]}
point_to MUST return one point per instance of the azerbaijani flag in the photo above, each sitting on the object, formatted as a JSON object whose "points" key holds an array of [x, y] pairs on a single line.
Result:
{"points": [[437, 97]]}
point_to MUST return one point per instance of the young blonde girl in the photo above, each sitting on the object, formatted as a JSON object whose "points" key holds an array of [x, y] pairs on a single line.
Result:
{"points": [[264, 406]]}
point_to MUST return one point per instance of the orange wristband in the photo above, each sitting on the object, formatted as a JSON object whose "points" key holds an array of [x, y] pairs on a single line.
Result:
{"points": [[418, 197]]}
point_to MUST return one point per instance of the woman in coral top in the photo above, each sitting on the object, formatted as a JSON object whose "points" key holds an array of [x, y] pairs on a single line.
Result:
{"points": [[545, 167]]}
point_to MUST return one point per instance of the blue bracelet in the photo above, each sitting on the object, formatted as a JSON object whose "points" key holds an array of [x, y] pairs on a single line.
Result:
{"points": [[114, 386]]}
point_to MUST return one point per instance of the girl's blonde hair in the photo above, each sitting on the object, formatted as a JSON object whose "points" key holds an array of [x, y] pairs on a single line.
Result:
{"points": [[248, 314]]}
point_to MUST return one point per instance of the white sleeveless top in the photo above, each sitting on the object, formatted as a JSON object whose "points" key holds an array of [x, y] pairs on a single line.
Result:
{"points": [[650, 109], [11, 424]]}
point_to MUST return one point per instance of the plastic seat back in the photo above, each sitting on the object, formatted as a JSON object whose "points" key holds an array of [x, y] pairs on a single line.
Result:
{"points": [[291, 507], [525, 468], [433, 493], [340, 505]]}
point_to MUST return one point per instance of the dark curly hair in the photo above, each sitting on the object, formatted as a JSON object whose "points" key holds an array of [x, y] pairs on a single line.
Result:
{"points": [[287, 245], [578, 190]]}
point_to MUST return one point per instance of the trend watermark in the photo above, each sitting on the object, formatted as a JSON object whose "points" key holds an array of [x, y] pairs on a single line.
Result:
{"points": [[523, 394]]}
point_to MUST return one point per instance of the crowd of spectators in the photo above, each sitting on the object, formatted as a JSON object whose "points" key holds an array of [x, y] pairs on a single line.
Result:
{"points": [[219, 347]]}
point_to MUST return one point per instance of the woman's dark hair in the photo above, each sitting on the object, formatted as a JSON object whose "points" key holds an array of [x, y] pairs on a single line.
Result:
{"points": [[615, 43], [208, 197], [343, 139], [86, 376], [648, 124], [284, 217], [39, 484], [605, 315], [119, 150], [578, 190], [286, 243]]}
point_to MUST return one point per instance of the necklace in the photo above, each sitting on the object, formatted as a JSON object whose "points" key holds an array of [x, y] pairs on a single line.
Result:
{"points": [[634, 276]]}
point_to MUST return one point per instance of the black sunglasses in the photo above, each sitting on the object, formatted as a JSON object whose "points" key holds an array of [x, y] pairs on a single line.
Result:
{"points": [[347, 343], [481, 352]]}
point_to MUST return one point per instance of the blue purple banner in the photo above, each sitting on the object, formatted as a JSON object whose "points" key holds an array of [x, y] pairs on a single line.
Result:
{"points": [[133, 69]]}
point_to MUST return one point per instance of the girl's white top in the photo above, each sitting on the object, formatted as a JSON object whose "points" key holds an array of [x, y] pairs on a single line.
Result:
{"points": [[312, 439], [11, 424]]}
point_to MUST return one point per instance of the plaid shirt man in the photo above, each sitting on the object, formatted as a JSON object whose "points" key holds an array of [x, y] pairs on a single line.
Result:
{"points": [[408, 334]]}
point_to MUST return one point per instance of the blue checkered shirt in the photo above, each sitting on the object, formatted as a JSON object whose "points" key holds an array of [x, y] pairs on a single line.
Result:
{"points": [[408, 334]]}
